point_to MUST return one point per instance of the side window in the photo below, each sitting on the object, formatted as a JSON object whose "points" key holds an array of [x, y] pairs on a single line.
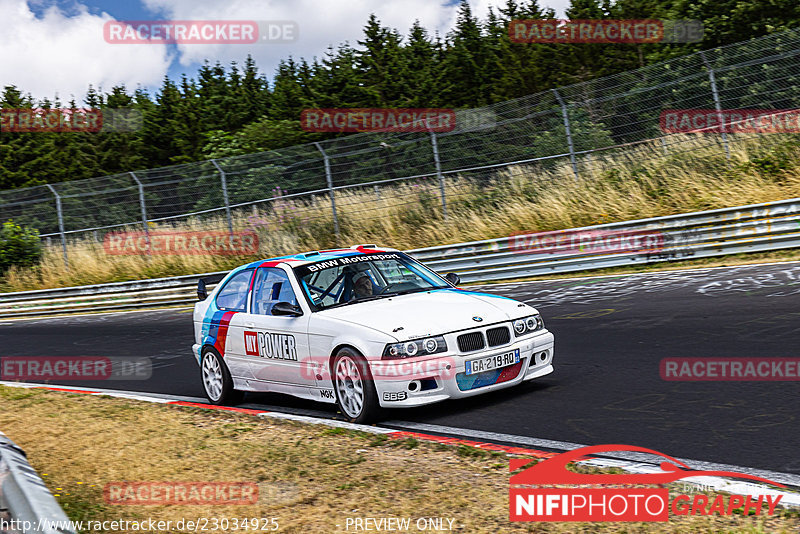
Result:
{"points": [[233, 295], [271, 286]]}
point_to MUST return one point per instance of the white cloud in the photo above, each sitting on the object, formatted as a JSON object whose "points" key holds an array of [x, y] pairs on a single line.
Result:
{"points": [[321, 22], [63, 54]]}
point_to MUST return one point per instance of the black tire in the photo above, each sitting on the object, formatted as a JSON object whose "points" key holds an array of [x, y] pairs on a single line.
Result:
{"points": [[223, 385], [346, 393]]}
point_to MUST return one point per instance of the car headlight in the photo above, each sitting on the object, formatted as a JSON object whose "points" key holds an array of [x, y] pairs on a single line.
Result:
{"points": [[417, 347], [526, 325]]}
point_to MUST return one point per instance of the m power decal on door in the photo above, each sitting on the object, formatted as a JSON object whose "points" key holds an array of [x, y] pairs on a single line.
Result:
{"points": [[267, 345]]}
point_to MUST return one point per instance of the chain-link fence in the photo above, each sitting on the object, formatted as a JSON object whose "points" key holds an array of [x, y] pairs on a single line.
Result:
{"points": [[324, 185]]}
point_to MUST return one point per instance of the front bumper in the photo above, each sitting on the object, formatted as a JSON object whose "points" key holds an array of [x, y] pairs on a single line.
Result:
{"points": [[420, 381]]}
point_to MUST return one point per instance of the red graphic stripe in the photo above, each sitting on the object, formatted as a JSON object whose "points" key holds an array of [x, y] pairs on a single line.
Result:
{"points": [[509, 373], [222, 332]]}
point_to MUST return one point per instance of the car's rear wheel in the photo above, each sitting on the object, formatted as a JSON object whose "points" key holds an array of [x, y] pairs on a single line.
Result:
{"points": [[355, 389], [217, 381]]}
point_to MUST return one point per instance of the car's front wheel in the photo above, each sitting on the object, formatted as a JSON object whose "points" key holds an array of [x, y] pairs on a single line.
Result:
{"points": [[217, 381], [355, 389]]}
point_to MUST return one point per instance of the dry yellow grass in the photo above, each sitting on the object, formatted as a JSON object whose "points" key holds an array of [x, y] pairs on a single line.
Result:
{"points": [[694, 176], [311, 478]]}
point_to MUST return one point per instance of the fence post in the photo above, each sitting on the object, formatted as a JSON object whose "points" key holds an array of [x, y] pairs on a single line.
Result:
{"points": [[713, 79], [60, 224], [329, 178], [439, 173], [565, 115], [144, 212], [224, 181]]}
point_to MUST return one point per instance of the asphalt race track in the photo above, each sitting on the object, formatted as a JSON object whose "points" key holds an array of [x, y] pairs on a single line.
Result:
{"points": [[611, 334]]}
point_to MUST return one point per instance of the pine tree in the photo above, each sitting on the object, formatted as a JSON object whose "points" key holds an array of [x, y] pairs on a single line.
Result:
{"points": [[289, 95], [335, 81], [120, 151], [420, 70], [730, 21], [188, 123], [158, 133], [380, 66], [465, 62], [254, 94]]}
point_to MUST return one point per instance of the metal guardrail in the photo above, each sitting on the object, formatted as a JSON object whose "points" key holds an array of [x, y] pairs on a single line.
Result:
{"points": [[26, 505], [753, 228], [106, 297]]}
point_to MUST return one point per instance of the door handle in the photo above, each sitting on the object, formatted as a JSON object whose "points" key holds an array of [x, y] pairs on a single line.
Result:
{"points": [[248, 323]]}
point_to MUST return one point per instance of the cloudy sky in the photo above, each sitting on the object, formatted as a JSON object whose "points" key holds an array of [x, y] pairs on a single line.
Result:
{"points": [[57, 46]]}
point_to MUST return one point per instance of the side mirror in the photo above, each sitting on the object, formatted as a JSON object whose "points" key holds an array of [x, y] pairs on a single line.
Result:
{"points": [[286, 308], [202, 294], [453, 278]]}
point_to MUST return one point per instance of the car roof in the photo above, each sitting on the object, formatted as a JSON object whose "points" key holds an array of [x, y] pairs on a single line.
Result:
{"points": [[296, 260]]}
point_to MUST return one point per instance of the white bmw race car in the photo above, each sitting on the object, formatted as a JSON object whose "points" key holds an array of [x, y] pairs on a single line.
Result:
{"points": [[365, 327]]}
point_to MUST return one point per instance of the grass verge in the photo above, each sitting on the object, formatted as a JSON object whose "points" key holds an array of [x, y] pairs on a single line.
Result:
{"points": [[311, 478], [632, 183]]}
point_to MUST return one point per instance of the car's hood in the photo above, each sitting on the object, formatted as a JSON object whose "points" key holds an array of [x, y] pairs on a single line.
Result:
{"points": [[430, 313]]}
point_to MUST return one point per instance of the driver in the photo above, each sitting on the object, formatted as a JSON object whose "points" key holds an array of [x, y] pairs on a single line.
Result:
{"points": [[362, 286]]}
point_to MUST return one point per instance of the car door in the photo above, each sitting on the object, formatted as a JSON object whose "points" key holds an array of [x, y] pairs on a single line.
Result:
{"points": [[277, 345], [228, 321]]}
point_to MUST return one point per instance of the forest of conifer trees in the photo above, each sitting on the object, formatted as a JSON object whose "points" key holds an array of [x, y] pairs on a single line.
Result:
{"points": [[236, 109]]}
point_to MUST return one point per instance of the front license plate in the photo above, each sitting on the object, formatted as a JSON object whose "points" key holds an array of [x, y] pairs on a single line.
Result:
{"points": [[492, 362]]}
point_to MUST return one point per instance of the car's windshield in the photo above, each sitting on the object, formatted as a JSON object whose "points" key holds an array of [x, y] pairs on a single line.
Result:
{"points": [[365, 277]]}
